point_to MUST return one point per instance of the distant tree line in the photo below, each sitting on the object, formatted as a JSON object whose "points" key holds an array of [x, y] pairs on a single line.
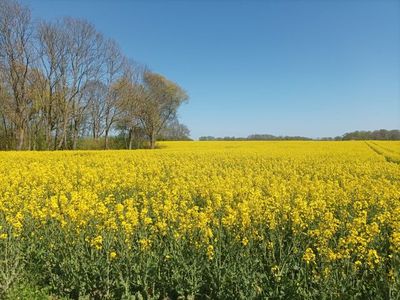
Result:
{"points": [[381, 134], [63, 81], [254, 137]]}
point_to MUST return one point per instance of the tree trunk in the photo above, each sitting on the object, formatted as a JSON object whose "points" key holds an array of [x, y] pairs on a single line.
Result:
{"points": [[152, 141], [20, 138], [30, 138], [106, 139], [63, 140], [6, 138], [48, 136], [130, 139], [74, 142], [55, 139], [75, 136], [94, 131]]}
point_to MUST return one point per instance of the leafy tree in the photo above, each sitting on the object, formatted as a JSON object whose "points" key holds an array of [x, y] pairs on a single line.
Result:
{"points": [[160, 101]]}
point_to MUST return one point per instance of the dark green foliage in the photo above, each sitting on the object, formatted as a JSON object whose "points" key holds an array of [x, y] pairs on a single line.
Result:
{"points": [[382, 134]]}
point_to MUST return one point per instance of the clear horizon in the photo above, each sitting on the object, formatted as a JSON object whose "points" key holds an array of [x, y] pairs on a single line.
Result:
{"points": [[304, 68]]}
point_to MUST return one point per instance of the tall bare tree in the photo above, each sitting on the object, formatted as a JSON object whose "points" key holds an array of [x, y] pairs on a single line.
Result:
{"points": [[52, 50], [96, 94], [6, 127], [84, 53], [73, 54], [16, 58], [114, 65]]}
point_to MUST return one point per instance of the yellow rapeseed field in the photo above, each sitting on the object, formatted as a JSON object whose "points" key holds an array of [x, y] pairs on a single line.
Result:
{"points": [[226, 220]]}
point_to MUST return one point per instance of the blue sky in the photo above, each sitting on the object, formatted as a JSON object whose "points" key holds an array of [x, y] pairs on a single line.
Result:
{"points": [[311, 68]]}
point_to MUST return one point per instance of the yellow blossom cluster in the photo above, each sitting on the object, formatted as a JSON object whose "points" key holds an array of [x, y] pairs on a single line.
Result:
{"points": [[334, 201]]}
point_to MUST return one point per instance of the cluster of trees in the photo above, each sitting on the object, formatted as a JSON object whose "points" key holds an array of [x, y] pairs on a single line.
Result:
{"points": [[255, 137], [381, 134], [61, 81], [261, 137]]}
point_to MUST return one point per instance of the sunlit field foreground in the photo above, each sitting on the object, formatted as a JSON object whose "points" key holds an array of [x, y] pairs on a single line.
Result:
{"points": [[218, 220]]}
